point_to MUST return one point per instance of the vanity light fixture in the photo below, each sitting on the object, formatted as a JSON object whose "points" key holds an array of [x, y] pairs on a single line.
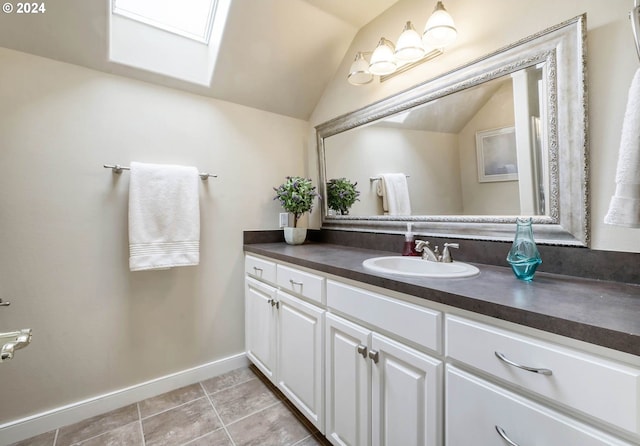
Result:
{"points": [[440, 30], [410, 49], [383, 60]]}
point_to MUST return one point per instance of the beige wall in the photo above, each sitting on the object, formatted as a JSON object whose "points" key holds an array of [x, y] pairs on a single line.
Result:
{"points": [[429, 158], [497, 198], [491, 24], [63, 218]]}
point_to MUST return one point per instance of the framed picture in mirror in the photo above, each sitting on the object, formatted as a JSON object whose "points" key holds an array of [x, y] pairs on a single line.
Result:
{"points": [[497, 155]]}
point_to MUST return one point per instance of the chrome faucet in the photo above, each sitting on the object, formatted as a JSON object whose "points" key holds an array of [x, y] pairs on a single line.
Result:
{"points": [[446, 253], [427, 254], [433, 255]]}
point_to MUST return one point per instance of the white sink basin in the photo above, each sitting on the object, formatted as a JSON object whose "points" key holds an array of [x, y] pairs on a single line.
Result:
{"points": [[418, 267]]}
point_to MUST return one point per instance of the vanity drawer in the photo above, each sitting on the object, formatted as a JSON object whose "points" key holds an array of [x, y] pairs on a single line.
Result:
{"points": [[260, 269], [411, 322], [476, 409], [300, 282], [596, 386]]}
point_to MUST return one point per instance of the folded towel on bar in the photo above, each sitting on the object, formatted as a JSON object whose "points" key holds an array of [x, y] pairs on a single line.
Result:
{"points": [[394, 190], [164, 217], [624, 208]]}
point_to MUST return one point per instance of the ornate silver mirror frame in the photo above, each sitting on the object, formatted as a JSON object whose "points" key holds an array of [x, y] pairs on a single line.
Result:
{"points": [[562, 50]]}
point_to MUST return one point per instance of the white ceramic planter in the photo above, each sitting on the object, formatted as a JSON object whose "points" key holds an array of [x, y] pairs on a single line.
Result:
{"points": [[295, 236]]}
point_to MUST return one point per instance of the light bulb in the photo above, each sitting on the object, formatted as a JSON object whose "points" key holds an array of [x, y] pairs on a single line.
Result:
{"points": [[440, 30], [382, 59], [409, 47], [359, 72]]}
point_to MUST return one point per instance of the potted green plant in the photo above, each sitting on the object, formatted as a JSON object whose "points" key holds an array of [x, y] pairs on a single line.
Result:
{"points": [[341, 194], [296, 196]]}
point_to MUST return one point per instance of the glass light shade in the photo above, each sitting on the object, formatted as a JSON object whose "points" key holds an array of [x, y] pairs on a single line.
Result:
{"points": [[382, 59], [359, 72], [440, 30], [409, 46]]}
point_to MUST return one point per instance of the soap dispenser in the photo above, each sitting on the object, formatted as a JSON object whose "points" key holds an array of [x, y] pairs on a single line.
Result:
{"points": [[409, 243]]}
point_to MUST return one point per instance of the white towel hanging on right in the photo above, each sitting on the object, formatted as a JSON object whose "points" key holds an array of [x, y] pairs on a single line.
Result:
{"points": [[624, 208]]}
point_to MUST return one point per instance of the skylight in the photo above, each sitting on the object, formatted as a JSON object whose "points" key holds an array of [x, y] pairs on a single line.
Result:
{"points": [[190, 19]]}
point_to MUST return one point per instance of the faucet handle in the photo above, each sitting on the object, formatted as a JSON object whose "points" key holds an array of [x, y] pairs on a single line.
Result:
{"points": [[420, 245], [446, 254]]}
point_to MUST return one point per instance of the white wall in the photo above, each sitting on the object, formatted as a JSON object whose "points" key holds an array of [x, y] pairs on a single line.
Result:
{"points": [[491, 24], [63, 218]]}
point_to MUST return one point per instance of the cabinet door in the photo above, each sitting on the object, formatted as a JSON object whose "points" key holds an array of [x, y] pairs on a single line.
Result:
{"points": [[300, 356], [348, 383], [260, 320], [406, 395]]}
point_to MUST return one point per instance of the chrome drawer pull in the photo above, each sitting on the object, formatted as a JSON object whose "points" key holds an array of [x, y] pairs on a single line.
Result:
{"points": [[503, 358], [293, 282], [505, 437], [362, 350], [257, 270], [374, 355]]}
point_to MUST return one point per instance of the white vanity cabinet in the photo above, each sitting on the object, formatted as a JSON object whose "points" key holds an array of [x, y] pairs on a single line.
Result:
{"points": [[260, 326], [481, 413], [299, 355], [372, 367], [284, 339], [595, 386], [605, 390], [379, 391]]}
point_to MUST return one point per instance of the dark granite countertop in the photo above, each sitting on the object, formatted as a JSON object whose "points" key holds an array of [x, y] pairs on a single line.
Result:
{"points": [[599, 312]]}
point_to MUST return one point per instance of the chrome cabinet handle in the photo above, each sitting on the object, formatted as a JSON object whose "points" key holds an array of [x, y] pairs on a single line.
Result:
{"points": [[293, 282], [274, 303], [505, 437], [257, 270], [374, 355], [362, 350], [503, 358], [4, 304]]}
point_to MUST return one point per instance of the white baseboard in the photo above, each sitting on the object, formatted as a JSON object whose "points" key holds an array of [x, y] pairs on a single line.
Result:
{"points": [[72, 413]]}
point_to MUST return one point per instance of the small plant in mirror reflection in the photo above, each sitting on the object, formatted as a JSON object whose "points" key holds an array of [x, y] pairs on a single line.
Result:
{"points": [[341, 194], [296, 196]]}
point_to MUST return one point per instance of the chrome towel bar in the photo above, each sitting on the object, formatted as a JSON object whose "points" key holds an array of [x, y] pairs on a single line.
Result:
{"points": [[117, 168], [372, 179]]}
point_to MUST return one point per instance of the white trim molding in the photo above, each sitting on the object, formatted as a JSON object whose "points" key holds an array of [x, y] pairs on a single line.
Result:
{"points": [[39, 423]]}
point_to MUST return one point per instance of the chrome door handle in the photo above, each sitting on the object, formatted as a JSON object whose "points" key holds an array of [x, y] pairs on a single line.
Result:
{"points": [[505, 437], [362, 350], [503, 358], [4, 304], [374, 355]]}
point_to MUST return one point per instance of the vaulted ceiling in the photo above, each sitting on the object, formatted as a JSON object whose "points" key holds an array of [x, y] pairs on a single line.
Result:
{"points": [[275, 55]]}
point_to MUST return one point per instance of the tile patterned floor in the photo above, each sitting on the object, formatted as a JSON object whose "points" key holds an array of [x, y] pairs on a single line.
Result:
{"points": [[240, 408]]}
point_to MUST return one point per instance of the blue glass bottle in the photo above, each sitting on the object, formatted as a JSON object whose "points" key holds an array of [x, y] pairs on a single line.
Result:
{"points": [[524, 257]]}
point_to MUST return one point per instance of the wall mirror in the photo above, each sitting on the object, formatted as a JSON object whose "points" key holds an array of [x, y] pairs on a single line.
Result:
{"points": [[501, 137]]}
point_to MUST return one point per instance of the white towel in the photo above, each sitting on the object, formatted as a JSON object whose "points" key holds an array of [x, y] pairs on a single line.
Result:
{"points": [[394, 190], [164, 217], [624, 208]]}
